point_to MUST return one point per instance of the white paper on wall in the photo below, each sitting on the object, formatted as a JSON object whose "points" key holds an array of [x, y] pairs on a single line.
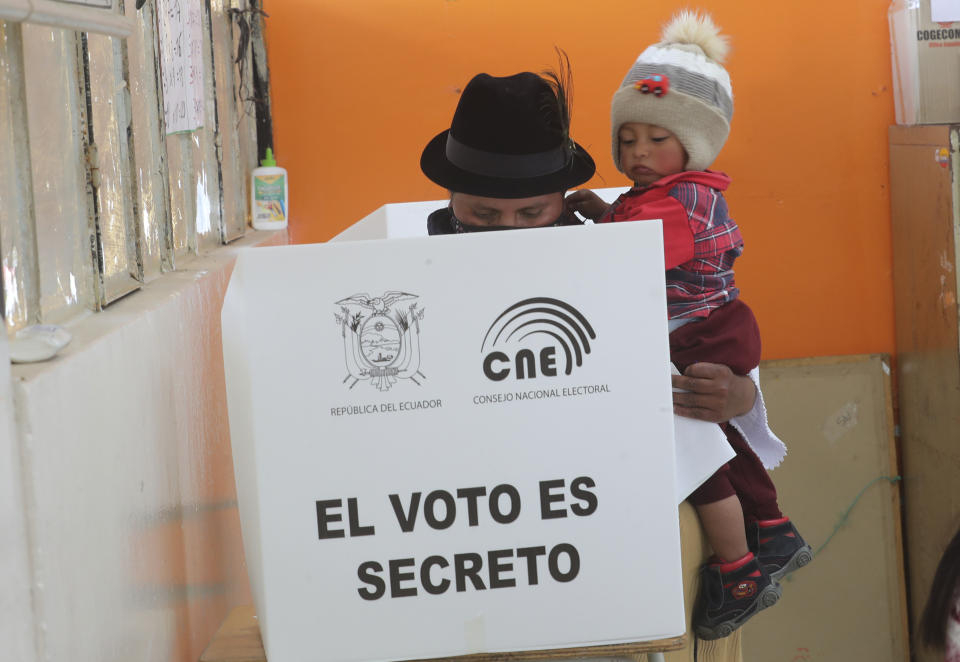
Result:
{"points": [[945, 11], [181, 63], [377, 389]]}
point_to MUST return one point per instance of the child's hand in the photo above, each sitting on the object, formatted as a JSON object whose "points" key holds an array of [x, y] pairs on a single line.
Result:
{"points": [[587, 203], [712, 393]]}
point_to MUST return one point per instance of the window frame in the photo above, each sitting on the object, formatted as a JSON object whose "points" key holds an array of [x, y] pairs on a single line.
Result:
{"points": [[171, 196]]}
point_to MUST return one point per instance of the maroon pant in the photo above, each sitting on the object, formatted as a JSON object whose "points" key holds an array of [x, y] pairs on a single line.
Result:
{"points": [[729, 336]]}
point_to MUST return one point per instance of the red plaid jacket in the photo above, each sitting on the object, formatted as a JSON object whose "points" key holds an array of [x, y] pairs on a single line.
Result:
{"points": [[700, 240]]}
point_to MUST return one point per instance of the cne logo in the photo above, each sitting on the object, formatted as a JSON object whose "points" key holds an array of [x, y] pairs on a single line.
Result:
{"points": [[381, 338], [535, 337]]}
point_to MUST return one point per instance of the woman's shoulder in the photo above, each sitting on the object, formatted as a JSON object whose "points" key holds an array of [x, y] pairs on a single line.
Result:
{"points": [[440, 222]]}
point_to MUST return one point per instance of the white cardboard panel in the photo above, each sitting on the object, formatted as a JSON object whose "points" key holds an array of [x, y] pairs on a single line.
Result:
{"points": [[337, 399], [700, 447], [409, 219]]}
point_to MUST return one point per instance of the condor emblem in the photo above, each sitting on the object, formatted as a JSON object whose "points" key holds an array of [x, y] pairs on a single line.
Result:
{"points": [[381, 338]]}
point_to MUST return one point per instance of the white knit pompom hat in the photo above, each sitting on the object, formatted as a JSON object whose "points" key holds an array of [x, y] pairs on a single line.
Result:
{"points": [[696, 100]]}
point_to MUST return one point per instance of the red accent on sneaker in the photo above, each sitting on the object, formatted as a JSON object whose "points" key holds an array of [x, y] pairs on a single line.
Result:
{"points": [[755, 573], [763, 523], [736, 565], [764, 541], [790, 535]]}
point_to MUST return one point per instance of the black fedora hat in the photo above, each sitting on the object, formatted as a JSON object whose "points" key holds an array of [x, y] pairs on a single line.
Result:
{"points": [[508, 139]]}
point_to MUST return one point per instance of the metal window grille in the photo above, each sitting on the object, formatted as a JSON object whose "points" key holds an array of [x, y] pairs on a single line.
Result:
{"points": [[95, 198]]}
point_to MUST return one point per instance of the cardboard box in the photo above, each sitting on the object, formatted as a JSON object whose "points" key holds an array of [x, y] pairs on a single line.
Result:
{"points": [[926, 64], [505, 383]]}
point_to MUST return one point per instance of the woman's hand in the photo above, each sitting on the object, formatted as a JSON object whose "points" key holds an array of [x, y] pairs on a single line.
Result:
{"points": [[713, 393], [587, 204]]}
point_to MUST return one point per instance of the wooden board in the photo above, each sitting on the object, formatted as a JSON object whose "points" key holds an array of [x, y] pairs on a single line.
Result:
{"points": [[924, 206], [836, 418]]}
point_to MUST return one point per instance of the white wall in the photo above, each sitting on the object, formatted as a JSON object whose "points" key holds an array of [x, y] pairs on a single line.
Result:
{"points": [[117, 484], [16, 606]]}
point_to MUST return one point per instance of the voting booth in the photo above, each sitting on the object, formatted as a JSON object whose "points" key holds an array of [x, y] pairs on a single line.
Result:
{"points": [[456, 444], [700, 447]]}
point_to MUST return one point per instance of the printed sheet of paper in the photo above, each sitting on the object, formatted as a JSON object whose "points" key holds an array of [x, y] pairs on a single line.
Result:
{"points": [[181, 63], [700, 448], [945, 11]]}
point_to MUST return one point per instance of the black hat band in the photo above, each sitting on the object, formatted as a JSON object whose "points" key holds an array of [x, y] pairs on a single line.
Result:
{"points": [[506, 166]]}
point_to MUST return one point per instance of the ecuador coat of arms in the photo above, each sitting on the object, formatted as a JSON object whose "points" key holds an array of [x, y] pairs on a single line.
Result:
{"points": [[381, 338]]}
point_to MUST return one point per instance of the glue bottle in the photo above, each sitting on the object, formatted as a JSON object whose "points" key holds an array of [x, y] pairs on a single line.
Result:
{"points": [[268, 195]]}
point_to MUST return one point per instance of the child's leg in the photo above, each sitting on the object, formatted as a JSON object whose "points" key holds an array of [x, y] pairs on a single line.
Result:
{"points": [[735, 587], [723, 524], [771, 537], [750, 480], [721, 515]]}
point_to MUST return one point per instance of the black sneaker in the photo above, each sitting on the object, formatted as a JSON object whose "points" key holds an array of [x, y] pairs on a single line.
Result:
{"points": [[727, 600], [779, 547]]}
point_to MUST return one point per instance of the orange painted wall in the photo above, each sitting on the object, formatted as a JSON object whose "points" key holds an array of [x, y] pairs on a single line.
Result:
{"points": [[360, 86]]}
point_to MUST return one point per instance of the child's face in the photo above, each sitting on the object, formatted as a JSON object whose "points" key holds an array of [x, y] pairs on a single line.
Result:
{"points": [[649, 152]]}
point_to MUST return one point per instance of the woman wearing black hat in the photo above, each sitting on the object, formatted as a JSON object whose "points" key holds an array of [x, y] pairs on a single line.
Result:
{"points": [[507, 158]]}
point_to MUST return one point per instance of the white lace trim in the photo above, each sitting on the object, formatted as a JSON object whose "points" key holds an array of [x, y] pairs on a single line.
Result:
{"points": [[755, 429]]}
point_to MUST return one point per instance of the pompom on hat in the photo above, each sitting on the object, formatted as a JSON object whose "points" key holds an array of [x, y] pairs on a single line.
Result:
{"points": [[509, 138], [681, 85]]}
